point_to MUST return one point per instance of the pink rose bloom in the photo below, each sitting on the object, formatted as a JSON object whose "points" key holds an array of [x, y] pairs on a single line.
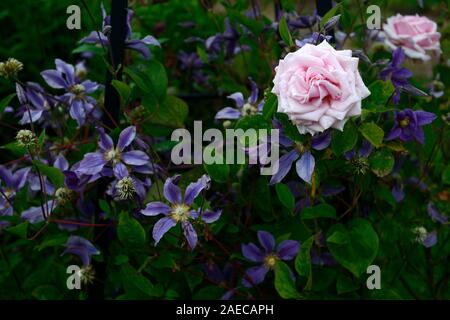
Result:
{"points": [[319, 87], [415, 34]]}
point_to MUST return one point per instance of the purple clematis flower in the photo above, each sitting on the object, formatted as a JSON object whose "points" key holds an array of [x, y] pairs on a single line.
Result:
{"points": [[32, 97], [408, 125], [81, 247], [399, 76], [242, 108], [139, 45], [313, 38], [115, 156], [189, 60], [226, 278], [180, 210], [13, 182], [268, 256], [125, 186], [81, 105], [305, 161], [435, 214]]}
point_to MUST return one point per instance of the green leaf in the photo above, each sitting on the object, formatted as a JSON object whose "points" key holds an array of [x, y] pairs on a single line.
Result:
{"points": [[156, 74], [41, 139], [333, 11], [54, 174], [171, 113], [380, 92], [381, 162], [138, 79], [15, 149], [130, 231], [303, 261], [123, 89], [218, 172], [136, 284], [446, 175], [354, 247], [343, 141], [283, 29], [290, 130], [285, 195], [319, 211], [270, 106], [345, 284], [103, 204], [85, 47], [284, 284], [254, 25], [19, 230], [373, 133], [5, 101]]}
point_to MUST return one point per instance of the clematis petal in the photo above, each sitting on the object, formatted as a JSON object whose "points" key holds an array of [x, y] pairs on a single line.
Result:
{"points": [[238, 99], [92, 163], [171, 191], [284, 166], [288, 249], [77, 111], [252, 252], [104, 142], [194, 189], [190, 234], [228, 113], [155, 208], [120, 171], [54, 79], [67, 69], [210, 216], [266, 240], [305, 166], [254, 276], [135, 158], [424, 117], [321, 141], [161, 227], [126, 137]]}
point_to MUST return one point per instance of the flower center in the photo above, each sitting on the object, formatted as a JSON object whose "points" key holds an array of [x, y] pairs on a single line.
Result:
{"points": [[248, 110], [77, 89], [271, 260], [63, 195], [112, 155], [125, 188], [180, 212], [404, 122]]}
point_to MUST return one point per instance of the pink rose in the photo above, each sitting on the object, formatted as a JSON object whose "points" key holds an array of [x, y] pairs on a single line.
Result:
{"points": [[415, 34], [319, 87]]}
